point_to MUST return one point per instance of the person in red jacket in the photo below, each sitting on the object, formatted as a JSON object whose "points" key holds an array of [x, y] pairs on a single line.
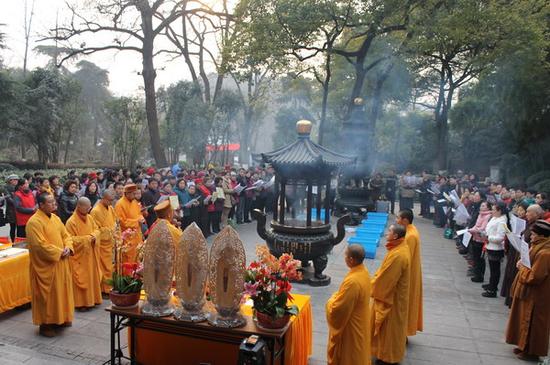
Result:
{"points": [[25, 206]]}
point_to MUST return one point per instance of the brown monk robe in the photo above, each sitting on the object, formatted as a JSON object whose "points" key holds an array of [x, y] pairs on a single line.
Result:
{"points": [[529, 322], [412, 239], [51, 282], [128, 211], [105, 218], [85, 262], [390, 307], [348, 314]]}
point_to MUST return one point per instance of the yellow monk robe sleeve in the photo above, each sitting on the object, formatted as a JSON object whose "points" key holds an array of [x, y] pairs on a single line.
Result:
{"points": [[39, 243], [122, 210], [105, 233], [67, 239], [383, 289], [80, 243], [340, 306]]}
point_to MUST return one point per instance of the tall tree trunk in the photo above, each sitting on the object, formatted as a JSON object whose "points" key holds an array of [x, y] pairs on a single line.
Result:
{"points": [[149, 76], [376, 107], [324, 103]]}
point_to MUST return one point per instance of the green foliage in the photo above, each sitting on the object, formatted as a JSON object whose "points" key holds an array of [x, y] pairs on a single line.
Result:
{"points": [[127, 129], [538, 177], [543, 185], [125, 284], [188, 120], [285, 124]]}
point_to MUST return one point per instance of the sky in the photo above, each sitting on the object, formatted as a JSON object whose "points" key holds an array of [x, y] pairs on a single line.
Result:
{"points": [[123, 66]]}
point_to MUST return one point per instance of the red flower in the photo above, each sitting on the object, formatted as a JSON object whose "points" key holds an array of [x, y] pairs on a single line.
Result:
{"points": [[283, 286], [128, 268]]}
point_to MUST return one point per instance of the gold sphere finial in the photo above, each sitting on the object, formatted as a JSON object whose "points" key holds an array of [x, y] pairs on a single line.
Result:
{"points": [[358, 101], [303, 127]]}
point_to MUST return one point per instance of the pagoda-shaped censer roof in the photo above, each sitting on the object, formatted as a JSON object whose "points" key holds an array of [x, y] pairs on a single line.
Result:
{"points": [[304, 153]]}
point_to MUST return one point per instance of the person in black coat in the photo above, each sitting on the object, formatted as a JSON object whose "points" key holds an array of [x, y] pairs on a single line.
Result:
{"points": [[67, 200]]}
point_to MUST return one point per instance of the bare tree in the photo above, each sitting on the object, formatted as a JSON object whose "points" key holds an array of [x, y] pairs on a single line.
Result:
{"points": [[27, 29], [135, 25]]}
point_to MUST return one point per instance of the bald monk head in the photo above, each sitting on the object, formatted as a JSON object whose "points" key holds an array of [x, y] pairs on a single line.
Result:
{"points": [[83, 206], [355, 254], [107, 197]]}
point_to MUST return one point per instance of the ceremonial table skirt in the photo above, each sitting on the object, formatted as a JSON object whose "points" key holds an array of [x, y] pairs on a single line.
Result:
{"points": [[15, 284], [163, 348]]}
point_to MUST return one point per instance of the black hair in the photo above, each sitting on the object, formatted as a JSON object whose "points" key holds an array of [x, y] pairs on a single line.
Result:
{"points": [[501, 207], [407, 214], [87, 191], [20, 183], [41, 198], [118, 183], [68, 184], [524, 205]]}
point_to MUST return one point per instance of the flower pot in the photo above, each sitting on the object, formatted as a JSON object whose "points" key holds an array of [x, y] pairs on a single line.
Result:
{"points": [[268, 322], [124, 300]]}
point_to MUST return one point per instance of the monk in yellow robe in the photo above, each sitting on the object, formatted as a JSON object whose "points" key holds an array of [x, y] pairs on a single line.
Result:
{"points": [[50, 246], [412, 239], [348, 314], [85, 262], [105, 218], [390, 291], [128, 212]]}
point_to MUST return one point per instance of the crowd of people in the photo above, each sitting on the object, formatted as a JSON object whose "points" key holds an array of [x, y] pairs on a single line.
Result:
{"points": [[488, 220], [70, 224], [207, 197], [71, 251], [493, 214]]}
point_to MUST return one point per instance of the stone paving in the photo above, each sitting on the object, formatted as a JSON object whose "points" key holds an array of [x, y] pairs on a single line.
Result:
{"points": [[460, 326]]}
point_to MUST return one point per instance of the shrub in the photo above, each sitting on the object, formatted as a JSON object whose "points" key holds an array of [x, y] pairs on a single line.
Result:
{"points": [[538, 177], [543, 186]]}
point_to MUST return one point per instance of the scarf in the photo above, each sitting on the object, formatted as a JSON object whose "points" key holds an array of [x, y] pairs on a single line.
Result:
{"points": [[390, 245]]}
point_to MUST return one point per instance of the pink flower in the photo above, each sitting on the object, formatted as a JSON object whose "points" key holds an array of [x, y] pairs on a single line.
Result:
{"points": [[251, 289]]}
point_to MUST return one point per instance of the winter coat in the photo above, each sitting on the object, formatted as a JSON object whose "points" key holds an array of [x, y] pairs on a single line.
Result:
{"points": [[496, 231]]}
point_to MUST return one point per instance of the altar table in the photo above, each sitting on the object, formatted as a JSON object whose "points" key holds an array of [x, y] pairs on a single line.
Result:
{"points": [[15, 284], [165, 340]]}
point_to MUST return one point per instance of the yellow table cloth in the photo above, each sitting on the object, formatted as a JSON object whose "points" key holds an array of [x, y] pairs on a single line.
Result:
{"points": [[15, 284], [298, 338]]}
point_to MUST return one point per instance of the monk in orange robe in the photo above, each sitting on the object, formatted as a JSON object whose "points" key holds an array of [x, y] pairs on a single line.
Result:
{"points": [[105, 218], [412, 239], [128, 212], [85, 262], [50, 246], [348, 314], [390, 291]]}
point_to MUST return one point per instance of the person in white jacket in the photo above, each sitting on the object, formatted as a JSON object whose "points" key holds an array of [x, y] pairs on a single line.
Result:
{"points": [[496, 233]]}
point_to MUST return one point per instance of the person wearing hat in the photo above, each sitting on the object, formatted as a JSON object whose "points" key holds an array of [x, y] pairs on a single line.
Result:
{"points": [[84, 263], [128, 211], [11, 183], [164, 212], [529, 321]]}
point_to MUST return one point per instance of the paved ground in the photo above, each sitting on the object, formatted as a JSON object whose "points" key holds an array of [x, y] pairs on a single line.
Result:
{"points": [[461, 327]]}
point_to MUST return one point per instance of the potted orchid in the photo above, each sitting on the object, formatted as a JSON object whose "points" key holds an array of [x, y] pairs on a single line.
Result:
{"points": [[267, 283], [127, 277]]}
